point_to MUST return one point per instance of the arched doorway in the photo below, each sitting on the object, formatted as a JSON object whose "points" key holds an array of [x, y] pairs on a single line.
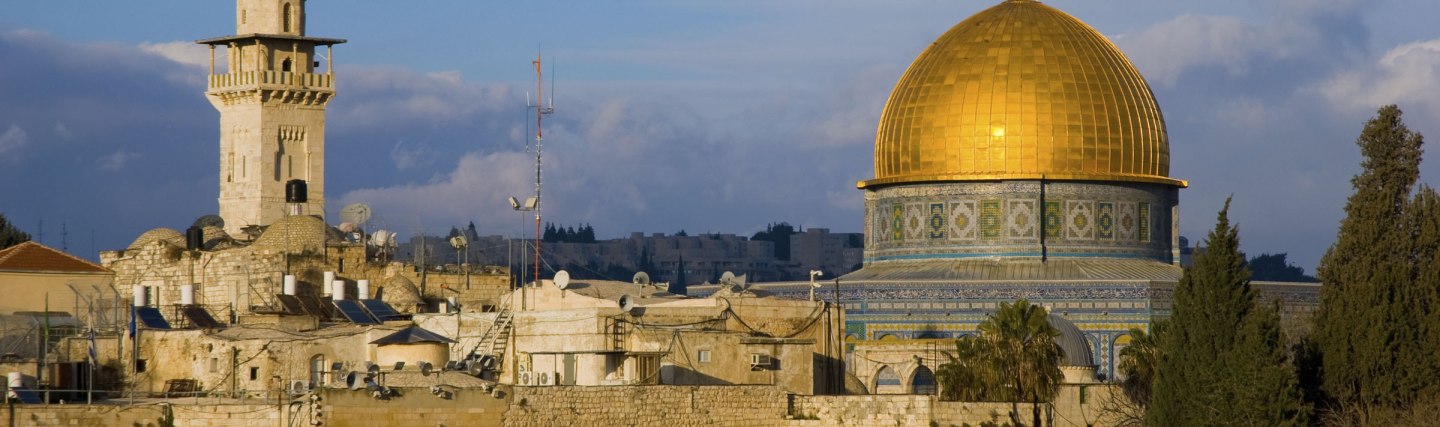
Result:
{"points": [[887, 381], [923, 381]]}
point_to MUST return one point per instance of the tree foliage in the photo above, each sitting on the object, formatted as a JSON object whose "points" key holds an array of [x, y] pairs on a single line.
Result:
{"points": [[1016, 359], [1139, 363], [1222, 356], [1376, 327], [10, 235]]}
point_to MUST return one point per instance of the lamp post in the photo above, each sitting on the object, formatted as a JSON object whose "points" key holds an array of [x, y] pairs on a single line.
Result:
{"points": [[813, 285], [530, 205]]}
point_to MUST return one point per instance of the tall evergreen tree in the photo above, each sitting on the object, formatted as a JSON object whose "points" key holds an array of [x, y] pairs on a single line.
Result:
{"points": [[10, 235], [1222, 358], [1372, 315]]}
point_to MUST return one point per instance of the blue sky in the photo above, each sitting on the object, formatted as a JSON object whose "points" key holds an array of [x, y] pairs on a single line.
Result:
{"points": [[707, 116]]}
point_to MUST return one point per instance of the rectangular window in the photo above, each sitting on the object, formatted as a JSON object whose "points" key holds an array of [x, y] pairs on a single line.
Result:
{"points": [[704, 356], [214, 365], [140, 365], [254, 373]]}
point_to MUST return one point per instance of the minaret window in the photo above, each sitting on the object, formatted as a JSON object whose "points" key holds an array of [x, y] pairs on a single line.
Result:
{"points": [[285, 65], [285, 18]]}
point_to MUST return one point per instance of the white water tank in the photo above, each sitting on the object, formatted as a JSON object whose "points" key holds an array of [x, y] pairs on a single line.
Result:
{"points": [[289, 286], [362, 289], [329, 279], [137, 292], [15, 379], [337, 290], [187, 294]]}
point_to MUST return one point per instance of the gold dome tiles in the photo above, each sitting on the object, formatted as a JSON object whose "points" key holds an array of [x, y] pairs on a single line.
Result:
{"points": [[1021, 91]]}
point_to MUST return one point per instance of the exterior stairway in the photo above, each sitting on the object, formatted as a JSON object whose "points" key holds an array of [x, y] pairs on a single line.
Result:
{"points": [[493, 343]]}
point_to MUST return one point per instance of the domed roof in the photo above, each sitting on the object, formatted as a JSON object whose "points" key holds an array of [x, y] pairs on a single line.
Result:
{"points": [[401, 293], [1072, 341], [1021, 91], [158, 234], [297, 233]]}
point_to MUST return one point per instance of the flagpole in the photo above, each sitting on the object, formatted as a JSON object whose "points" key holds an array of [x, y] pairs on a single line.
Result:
{"points": [[44, 349]]}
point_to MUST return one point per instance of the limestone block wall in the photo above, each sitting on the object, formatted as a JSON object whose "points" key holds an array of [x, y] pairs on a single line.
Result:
{"points": [[672, 406], [146, 415], [412, 407]]}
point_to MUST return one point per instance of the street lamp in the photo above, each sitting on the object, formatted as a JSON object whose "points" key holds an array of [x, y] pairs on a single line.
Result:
{"points": [[529, 206], [813, 285]]}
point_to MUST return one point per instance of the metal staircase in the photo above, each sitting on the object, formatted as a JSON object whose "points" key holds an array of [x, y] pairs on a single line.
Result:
{"points": [[495, 339]]}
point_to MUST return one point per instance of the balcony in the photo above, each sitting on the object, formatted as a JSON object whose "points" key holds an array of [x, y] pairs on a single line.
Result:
{"points": [[271, 80]]}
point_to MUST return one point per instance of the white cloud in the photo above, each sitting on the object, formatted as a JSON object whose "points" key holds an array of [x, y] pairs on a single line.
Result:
{"points": [[117, 160], [1166, 50], [406, 155], [187, 53], [1408, 75], [12, 140]]}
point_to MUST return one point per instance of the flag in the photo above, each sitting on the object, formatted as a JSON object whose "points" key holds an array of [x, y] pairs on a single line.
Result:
{"points": [[132, 322], [94, 360]]}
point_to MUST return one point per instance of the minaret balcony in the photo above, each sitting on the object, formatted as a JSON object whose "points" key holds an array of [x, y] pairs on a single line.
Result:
{"points": [[271, 80]]}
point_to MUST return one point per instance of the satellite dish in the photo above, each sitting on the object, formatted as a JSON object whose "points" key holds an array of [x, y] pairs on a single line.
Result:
{"points": [[641, 278], [458, 242], [372, 369], [347, 227], [209, 221], [382, 238], [356, 213], [562, 279], [627, 303], [727, 277], [425, 368]]}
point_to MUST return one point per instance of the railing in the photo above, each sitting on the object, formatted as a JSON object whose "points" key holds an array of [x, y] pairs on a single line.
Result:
{"points": [[212, 397], [272, 78]]}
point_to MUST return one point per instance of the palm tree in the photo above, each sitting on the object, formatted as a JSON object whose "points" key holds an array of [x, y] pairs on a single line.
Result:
{"points": [[1022, 341], [1138, 363], [968, 376]]}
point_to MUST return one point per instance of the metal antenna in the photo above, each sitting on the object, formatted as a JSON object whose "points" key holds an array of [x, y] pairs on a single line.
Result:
{"points": [[540, 112]]}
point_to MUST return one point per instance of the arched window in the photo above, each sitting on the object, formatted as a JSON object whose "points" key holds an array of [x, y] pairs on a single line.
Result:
{"points": [[285, 18], [317, 370], [923, 382], [285, 65]]}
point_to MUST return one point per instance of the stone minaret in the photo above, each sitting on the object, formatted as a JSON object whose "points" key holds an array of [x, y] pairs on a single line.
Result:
{"points": [[272, 99]]}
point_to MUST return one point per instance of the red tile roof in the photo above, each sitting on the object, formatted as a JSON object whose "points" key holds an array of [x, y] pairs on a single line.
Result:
{"points": [[35, 257]]}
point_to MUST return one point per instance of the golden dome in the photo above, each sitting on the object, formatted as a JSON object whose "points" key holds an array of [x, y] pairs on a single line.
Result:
{"points": [[1021, 91]]}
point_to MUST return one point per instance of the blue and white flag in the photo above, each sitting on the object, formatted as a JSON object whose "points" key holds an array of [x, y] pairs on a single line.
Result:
{"points": [[94, 360]]}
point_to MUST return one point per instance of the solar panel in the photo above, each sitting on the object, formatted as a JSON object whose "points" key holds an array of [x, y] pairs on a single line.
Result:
{"points": [[25, 395], [354, 313], [381, 310], [291, 304], [316, 307], [151, 318], [199, 317]]}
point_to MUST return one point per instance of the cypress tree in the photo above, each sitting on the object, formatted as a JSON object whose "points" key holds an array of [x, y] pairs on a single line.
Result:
{"points": [[1367, 321], [1222, 359], [9, 235]]}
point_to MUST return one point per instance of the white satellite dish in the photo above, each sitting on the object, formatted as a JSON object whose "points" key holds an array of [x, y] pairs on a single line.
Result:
{"points": [[382, 238], [641, 278], [562, 279], [627, 303], [356, 213], [727, 277]]}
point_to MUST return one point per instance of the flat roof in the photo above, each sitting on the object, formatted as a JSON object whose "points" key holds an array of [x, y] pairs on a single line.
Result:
{"points": [[238, 37]]}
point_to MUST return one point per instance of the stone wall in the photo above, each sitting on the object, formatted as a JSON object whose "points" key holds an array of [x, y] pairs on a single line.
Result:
{"points": [[144, 415], [672, 406], [412, 406]]}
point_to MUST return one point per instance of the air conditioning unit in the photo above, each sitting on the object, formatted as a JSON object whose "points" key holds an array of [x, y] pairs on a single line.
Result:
{"points": [[298, 387], [758, 360], [526, 378], [546, 379]]}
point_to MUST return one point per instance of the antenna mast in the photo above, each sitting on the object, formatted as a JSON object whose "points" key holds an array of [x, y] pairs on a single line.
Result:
{"points": [[540, 112]]}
